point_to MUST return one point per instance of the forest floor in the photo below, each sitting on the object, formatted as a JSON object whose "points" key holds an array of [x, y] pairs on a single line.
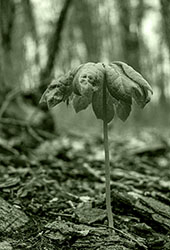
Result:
{"points": [[52, 192]]}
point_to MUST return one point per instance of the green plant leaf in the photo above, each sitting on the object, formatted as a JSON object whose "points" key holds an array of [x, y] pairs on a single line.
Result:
{"points": [[52, 95], [59, 90], [124, 82], [97, 104], [80, 103], [123, 110], [117, 84], [88, 79], [85, 84], [142, 93]]}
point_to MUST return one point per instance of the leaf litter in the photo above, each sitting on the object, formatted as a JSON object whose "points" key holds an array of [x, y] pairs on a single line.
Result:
{"points": [[57, 189]]}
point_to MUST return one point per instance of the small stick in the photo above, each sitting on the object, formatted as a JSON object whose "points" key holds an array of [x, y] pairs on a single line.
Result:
{"points": [[7, 101]]}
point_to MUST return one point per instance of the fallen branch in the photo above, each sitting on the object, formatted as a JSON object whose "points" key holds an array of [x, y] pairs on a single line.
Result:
{"points": [[10, 95], [31, 129]]}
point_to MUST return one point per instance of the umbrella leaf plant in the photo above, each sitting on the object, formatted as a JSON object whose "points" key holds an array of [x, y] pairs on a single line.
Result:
{"points": [[110, 88]]}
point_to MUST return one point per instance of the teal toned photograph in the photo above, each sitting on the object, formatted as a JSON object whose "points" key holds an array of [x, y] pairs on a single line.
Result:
{"points": [[84, 125]]}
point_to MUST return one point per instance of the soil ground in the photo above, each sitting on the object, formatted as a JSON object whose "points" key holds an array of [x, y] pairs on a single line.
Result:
{"points": [[52, 192]]}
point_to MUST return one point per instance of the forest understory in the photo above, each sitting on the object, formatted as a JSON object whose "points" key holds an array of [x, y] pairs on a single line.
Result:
{"points": [[52, 191], [52, 185]]}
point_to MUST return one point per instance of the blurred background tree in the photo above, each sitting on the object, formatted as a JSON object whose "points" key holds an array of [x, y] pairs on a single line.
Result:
{"points": [[41, 39]]}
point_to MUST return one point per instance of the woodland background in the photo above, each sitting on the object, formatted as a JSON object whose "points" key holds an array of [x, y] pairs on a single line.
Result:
{"points": [[39, 40], [52, 177]]}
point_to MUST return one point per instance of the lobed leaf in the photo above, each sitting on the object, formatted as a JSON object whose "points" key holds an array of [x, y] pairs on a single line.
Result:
{"points": [[128, 83], [89, 78], [52, 95], [80, 103], [85, 84], [123, 110], [142, 85], [97, 104], [118, 84], [59, 90]]}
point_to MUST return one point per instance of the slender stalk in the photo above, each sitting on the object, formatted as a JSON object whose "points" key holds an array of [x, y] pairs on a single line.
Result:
{"points": [[107, 161]]}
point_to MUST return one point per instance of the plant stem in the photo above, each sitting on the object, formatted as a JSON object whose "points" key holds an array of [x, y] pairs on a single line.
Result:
{"points": [[107, 161]]}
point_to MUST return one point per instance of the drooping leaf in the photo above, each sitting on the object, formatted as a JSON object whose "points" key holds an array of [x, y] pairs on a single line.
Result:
{"points": [[142, 93], [43, 98], [85, 84], [139, 98], [88, 79], [80, 103], [134, 75], [117, 84], [124, 83], [59, 90], [52, 95], [123, 110], [97, 104]]}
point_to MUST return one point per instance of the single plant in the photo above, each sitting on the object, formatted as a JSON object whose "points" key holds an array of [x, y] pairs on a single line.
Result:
{"points": [[110, 88]]}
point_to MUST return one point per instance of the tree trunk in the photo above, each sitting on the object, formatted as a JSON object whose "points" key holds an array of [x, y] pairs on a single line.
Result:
{"points": [[87, 20], [31, 23], [53, 47], [129, 35], [7, 13], [165, 9]]}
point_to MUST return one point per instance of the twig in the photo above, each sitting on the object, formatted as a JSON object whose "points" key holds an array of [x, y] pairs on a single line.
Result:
{"points": [[126, 235], [24, 124], [7, 101]]}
